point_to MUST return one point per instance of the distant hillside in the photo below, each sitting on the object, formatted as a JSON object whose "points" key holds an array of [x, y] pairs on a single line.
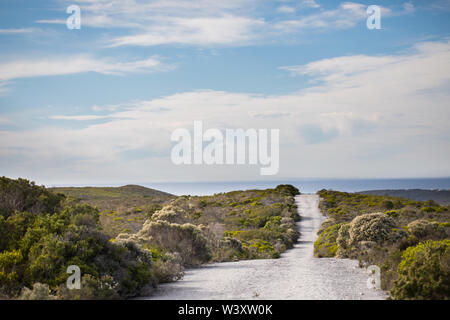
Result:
{"points": [[122, 209], [439, 196], [110, 192]]}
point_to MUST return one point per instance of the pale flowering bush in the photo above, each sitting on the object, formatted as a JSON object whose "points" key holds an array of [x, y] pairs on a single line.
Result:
{"points": [[168, 267], [40, 291], [370, 227], [170, 213], [423, 229], [342, 240], [91, 288], [185, 239]]}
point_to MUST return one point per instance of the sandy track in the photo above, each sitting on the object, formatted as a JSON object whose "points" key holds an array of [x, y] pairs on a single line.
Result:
{"points": [[296, 275]]}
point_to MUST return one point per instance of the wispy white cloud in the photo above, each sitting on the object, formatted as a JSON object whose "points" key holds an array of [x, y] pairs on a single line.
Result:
{"points": [[309, 3], [78, 118], [51, 21], [286, 9], [346, 15], [409, 7], [51, 66], [18, 31], [200, 31], [4, 120]]}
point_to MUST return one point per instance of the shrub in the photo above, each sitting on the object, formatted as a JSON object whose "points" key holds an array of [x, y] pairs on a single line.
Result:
{"points": [[91, 288], [370, 227], [186, 239], [287, 189], [262, 249], [22, 195], [423, 229], [387, 204], [169, 267], [397, 235], [40, 292], [424, 272], [38, 247], [392, 213], [342, 240], [325, 245], [427, 209]]}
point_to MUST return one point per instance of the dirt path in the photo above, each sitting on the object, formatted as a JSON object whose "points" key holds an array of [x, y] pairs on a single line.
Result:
{"points": [[296, 275]]}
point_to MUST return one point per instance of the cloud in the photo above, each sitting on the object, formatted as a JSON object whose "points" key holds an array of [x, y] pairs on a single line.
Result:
{"points": [[4, 120], [201, 31], [309, 4], [312, 134], [286, 9], [373, 116], [51, 21], [346, 15], [440, 4], [409, 8], [212, 23], [18, 31], [78, 118], [73, 64]]}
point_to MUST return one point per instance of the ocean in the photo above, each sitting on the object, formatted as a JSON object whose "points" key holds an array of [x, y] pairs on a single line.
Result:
{"points": [[304, 185]]}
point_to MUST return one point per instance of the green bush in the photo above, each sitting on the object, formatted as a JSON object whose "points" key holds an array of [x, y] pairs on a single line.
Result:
{"points": [[22, 195], [38, 246], [392, 213], [342, 240], [287, 189], [91, 288], [262, 249], [325, 245], [387, 204], [424, 272]]}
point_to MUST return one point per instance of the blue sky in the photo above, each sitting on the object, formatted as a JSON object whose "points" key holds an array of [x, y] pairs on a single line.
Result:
{"points": [[97, 105]]}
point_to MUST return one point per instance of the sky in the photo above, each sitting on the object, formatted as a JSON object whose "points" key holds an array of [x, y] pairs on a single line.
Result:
{"points": [[98, 105]]}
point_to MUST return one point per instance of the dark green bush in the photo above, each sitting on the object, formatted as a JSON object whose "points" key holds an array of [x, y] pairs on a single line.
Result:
{"points": [[424, 272], [325, 245], [38, 246], [287, 189]]}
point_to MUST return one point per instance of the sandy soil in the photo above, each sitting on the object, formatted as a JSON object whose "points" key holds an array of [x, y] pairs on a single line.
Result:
{"points": [[296, 275]]}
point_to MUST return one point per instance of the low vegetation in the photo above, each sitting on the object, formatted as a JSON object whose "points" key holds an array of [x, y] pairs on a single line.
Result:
{"points": [[439, 196], [408, 240], [45, 231], [122, 209], [42, 234], [237, 225]]}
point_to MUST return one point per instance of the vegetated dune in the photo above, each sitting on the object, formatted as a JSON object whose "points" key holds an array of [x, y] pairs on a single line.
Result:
{"points": [[122, 209], [438, 196], [110, 192]]}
